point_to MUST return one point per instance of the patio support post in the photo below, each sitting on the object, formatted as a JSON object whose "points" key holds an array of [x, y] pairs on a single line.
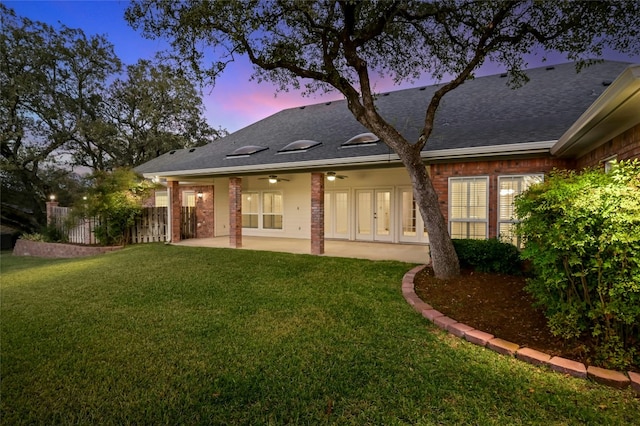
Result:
{"points": [[235, 212], [317, 213], [175, 210]]}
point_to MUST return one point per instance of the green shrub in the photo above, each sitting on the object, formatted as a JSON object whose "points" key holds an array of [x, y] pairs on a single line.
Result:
{"points": [[33, 237], [488, 256], [54, 234], [115, 198], [582, 234]]}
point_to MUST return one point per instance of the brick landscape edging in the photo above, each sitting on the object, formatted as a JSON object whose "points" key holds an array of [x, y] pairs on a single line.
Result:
{"points": [[616, 379], [58, 250]]}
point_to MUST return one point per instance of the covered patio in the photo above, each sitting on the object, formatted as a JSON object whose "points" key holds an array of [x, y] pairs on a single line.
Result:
{"points": [[411, 253]]}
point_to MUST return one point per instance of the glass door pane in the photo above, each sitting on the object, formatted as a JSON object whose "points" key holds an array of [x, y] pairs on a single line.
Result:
{"points": [[328, 215], [383, 213], [342, 215], [364, 219], [408, 214]]}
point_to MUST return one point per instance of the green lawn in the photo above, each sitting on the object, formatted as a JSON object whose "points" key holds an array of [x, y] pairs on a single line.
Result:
{"points": [[157, 334]]}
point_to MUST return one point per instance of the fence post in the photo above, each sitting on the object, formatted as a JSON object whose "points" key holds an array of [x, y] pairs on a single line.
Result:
{"points": [[51, 205]]}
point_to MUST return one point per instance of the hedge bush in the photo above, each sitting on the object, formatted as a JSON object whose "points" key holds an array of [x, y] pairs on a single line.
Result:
{"points": [[582, 233], [488, 256]]}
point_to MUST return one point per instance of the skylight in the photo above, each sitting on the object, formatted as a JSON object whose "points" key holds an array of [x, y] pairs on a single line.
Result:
{"points": [[363, 139], [247, 150], [299, 146]]}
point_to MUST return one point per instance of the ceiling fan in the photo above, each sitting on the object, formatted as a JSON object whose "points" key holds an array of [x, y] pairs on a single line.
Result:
{"points": [[331, 176], [274, 179]]}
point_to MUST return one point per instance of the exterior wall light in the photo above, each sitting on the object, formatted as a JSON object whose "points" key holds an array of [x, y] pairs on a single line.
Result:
{"points": [[200, 195]]}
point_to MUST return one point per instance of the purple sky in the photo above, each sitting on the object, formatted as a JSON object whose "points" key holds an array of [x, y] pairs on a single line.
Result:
{"points": [[234, 102]]}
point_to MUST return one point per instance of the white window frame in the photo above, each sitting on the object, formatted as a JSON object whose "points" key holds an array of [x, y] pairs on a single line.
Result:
{"points": [[272, 215], [468, 220], [608, 162], [261, 213], [246, 214], [512, 220], [188, 198], [161, 199]]}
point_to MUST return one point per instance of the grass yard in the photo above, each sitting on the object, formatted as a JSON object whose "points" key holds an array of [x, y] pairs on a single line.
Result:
{"points": [[157, 334]]}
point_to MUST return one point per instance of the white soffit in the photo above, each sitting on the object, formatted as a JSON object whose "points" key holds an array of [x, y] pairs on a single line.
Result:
{"points": [[616, 110]]}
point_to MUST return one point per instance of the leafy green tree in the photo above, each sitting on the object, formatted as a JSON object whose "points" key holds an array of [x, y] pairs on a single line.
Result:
{"points": [[49, 85], [57, 112], [340, 44], [115, 198], [582, 237], [154, 109]]}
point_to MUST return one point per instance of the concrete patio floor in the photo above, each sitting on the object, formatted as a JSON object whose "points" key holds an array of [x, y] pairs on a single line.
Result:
{"points": [[410, 253]]}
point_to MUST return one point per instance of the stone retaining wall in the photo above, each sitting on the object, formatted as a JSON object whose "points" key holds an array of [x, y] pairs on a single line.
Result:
{"points": [[58, 250]]}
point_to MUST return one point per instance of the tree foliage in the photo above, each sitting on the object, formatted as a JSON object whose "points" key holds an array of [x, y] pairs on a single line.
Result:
{"points": [[115, 198], [49, 82], [343, 45], [582, 237], [64, 104], [154, 110]]}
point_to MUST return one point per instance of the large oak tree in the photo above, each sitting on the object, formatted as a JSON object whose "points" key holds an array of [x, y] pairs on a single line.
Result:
{"points": [[343, 44], [64, 104]]}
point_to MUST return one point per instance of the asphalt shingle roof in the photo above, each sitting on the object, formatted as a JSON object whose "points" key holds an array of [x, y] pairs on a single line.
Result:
{"points": [[482, 112]]}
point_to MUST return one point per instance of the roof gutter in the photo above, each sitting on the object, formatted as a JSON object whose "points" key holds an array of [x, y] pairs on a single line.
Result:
{"points": [[526, 148], [615, 111]]}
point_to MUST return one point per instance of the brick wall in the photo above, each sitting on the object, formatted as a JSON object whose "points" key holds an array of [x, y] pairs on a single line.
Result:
{"points": [[175, 204], [204, 209], [624, 146], [440, 174], [57, 250], [235, 212]]}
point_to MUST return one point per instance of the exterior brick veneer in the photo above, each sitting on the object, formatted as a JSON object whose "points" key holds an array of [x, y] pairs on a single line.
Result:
{"points": [[317, 213], [441, 172], [625, 146], [57, 250], [175, 204], [235, 212], [205, 225]]}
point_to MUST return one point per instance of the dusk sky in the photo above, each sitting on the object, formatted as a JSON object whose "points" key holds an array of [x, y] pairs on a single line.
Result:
{"points": [[234, 102]]}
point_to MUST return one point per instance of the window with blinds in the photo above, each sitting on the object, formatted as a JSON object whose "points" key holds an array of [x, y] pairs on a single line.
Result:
{"points": [[468, 207], [161, 199], [271, 210], [188, 199], [509, 187], [262, 210], [250, 201]]}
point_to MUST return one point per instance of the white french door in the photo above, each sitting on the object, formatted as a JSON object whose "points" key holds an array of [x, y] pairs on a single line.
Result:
{"points": [[373, 215], [411, 223], [336, 214]]}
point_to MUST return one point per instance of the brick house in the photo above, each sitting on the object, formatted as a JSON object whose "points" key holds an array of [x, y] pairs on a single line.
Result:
{"points": [[313, 172]]}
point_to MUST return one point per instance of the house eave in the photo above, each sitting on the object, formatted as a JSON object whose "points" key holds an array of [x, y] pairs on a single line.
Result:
{"points": [[615, 111], [383, 160]]}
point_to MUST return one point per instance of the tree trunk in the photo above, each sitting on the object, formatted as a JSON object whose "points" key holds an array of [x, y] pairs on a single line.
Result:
{"points": [[444, 259]]}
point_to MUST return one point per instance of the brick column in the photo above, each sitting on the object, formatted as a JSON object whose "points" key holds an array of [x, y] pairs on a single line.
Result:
{"points": [[317, 213], [235, 212], [50, 206], [175, 209]]}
